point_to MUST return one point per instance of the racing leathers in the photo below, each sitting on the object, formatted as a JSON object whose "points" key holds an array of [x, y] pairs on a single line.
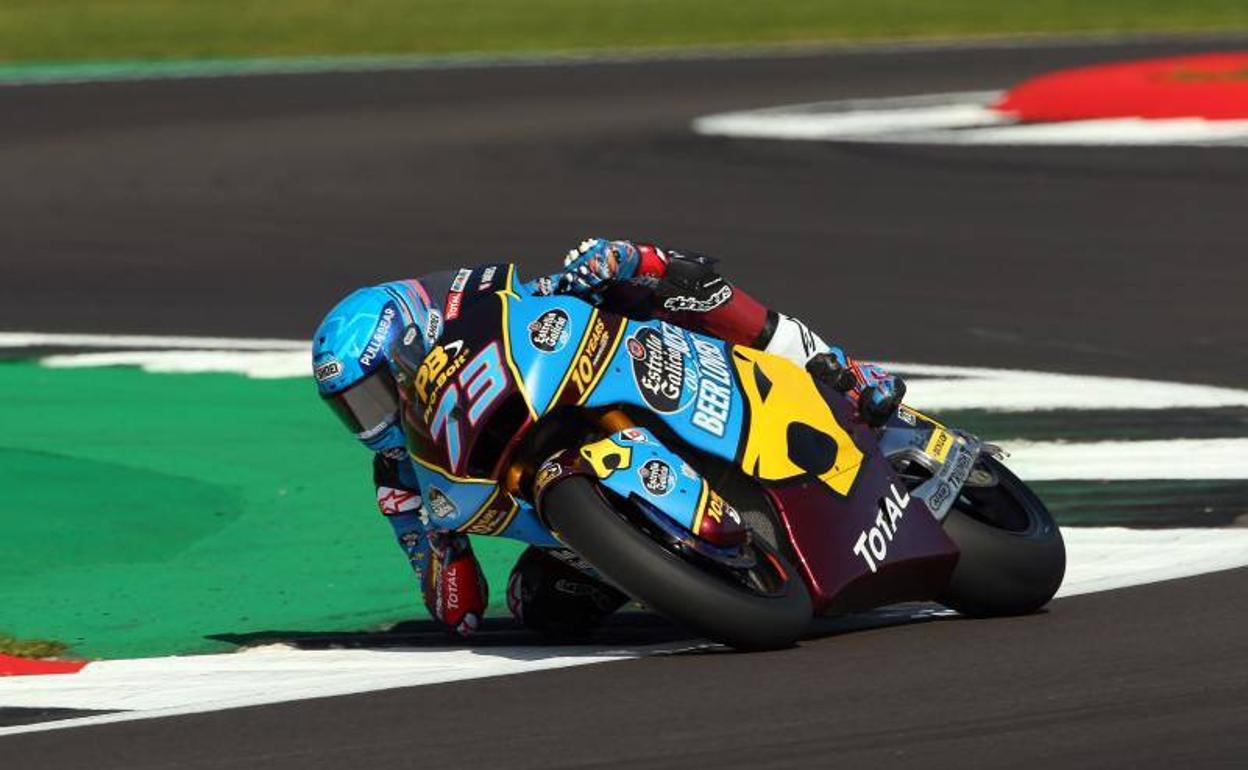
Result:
{"points": [[639, 280]]}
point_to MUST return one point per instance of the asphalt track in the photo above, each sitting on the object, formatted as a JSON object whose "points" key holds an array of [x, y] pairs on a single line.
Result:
{"points": [[245, 206]]}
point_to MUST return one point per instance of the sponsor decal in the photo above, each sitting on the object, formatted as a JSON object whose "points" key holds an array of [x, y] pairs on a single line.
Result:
{"points": [[495, 517], [939, 497], [549, 333], [656, 477], [442, 363], [699, 304], [589, 364], [454, 301], [938, 445], [633, 434], [328, 370], [380, 333], [549, 471], [487, 278], [906, 416], [395, 453], [713, 406], [433, 327], [410, 335], [412, 540], [544, 286], [460, 282], [439, 504], [872, 544], [393, 501], [717, 507], [449, 588], [375, 431], [953, 476], [688, 472], [659, 366], [572, 559]]}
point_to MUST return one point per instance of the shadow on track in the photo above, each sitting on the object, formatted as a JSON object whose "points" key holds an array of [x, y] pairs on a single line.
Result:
{"points": [[625, 631]]}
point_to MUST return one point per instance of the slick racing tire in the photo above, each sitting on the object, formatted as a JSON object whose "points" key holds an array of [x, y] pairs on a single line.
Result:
{"points": [[696, 598], [1012, 556]]}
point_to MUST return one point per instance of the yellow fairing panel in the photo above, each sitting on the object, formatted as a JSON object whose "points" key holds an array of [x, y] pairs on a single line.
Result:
{"points": [[792, 431]]}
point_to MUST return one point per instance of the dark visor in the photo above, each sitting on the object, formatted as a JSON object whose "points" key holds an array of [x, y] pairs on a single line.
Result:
{"points": [[369, 406]]}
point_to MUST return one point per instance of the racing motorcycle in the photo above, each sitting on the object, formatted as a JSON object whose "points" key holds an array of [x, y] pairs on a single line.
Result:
{"points": [[728, 489]]}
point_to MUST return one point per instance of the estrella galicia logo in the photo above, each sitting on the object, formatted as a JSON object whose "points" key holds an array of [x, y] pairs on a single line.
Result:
{"points": [[658, 368], [550, 332], [656, 477]]}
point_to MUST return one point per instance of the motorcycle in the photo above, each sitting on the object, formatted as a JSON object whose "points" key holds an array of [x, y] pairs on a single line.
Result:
{"points": [[727, 489]]}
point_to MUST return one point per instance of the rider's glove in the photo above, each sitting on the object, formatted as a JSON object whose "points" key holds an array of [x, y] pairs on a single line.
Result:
{"points": [[877, 392], [593, 266], [454, 587]]}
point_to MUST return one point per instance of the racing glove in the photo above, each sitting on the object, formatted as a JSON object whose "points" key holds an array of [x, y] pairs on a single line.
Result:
{"points": [[877, 393], [453, 585], [595, 265]]}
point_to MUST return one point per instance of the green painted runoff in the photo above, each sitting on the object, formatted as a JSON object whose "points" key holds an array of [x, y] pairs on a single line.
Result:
{"points": [[142, 513]]}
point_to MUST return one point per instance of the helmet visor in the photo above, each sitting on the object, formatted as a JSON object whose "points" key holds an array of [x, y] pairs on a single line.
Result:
{"points": [[369, 406]]}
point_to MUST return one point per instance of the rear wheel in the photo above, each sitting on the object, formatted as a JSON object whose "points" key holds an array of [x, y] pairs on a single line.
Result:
{"points": [[763, 606], [1012, 556]]}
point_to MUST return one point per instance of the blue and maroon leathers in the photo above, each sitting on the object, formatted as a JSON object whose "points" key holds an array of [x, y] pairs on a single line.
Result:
{"points": [[350, 361]]}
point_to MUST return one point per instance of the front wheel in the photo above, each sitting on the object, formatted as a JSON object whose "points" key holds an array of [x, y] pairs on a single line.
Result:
{"points": [[1012, 556], [764, 608]]}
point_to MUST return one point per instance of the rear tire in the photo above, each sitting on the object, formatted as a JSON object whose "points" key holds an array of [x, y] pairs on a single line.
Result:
{"points": [[693, 597], [1012, 557]]}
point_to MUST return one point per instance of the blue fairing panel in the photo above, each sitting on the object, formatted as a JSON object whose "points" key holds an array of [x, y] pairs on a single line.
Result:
{"points": [[643, 468], [451, 502], [544, 332]]}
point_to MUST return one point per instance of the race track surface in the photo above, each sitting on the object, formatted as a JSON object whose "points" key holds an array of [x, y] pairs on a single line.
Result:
{"points": [[246, 206], [1144, 677]]}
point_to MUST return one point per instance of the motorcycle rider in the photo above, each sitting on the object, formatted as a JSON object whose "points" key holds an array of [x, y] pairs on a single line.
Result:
{"points": [[351, 363]]}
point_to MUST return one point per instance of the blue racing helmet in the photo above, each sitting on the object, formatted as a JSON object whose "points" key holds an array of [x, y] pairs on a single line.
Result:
{"points": [[351, 358]]}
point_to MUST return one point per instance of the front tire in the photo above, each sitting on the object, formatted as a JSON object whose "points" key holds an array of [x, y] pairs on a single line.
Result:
{"points": [[705, 603], [1012, 557]]}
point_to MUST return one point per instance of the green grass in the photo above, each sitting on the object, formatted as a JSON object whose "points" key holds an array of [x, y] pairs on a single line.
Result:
{"points": [[64, 30], [30, 648]]}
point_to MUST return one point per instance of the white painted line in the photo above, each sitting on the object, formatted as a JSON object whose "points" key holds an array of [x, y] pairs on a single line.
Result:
{"points": [[1188, 459], [171, 686], [1099, 559], [267, 364], [849, 124], [1104, 558], [963, 118], [1014, 390]]}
